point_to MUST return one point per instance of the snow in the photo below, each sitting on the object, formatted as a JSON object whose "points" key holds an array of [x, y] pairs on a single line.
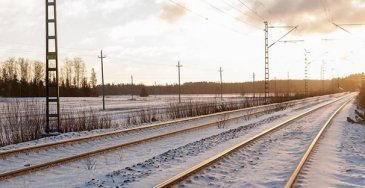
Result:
{"points": [[114, 161], [164, 166], [146, 165], [119, 102], [269, 161], [339, 159], [71, 135]]}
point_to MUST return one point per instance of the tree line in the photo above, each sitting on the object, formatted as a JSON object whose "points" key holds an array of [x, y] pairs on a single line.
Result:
{"points": [[350, 83], [25, 78]]}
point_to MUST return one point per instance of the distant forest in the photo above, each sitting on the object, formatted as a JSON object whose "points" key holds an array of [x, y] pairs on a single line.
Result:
{"points": [[24, 78], [276, 86]]}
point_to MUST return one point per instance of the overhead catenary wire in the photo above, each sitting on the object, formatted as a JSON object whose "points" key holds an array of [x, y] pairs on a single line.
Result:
{"points": [[253, 11], [207, 19], [238, 9], [72, 50], [224, 12], [188, 9], [293, 28]]}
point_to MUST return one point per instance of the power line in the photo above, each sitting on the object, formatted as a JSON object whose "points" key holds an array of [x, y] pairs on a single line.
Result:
{"points": [[343, 29], [184, 7], [206, 18], [233, 7], [223, 12], [250, 9], [293, 28]]}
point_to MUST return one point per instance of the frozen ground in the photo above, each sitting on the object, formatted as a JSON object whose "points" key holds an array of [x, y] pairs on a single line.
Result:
{"points": [[163, 166], [268, 162], [100, 131], [122, 102], [339, 159], [148, 164], [118, 108], [65, 175], [32, 158]]}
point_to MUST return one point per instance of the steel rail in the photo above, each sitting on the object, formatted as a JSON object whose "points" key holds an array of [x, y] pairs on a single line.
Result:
{"points": [[57, 162], [4, 154], [294, 176], [184, 175]]}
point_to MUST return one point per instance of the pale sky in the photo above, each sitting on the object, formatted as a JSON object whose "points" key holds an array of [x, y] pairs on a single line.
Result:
{"points": [[146, 38]]}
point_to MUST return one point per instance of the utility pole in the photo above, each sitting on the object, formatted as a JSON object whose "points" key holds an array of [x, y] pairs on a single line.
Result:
{"points": [[332, 80], [154, 89], [306, 63], [101, 57], [221, 77], [179, 76], [275, 93], [52, 82], [288, 85], [132, 87], [322, 75], [338, 82], [253, 85], [267, 47]]}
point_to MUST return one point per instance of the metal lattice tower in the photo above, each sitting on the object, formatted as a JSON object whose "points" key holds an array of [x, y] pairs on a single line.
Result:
{"points": [[267, 75], [52, 84]]}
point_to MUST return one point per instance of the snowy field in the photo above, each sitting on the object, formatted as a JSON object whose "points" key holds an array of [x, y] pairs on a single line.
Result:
{"points": [[117, 107], [121, 112], [122, 102], [146, 165]]}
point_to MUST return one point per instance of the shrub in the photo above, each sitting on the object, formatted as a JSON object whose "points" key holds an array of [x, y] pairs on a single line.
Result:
{"points": [[143, 92], [361, 96], [22, 121]]}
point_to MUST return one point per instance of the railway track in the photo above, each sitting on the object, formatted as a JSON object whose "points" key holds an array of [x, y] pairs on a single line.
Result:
{"points": [[215, 159], [265, 108], [293, 178], [20, 171]]}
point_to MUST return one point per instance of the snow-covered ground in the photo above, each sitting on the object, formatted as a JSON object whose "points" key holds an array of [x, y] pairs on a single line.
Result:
{"points": [[32, 158], [118, 108], [70, 135], [120, 102], [148, 164], [339, 159], [76, 174], [255, 166], [268, 162]]}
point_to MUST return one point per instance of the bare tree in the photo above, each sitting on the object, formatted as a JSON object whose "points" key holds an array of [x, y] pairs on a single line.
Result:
{"points": [[38, 71], [10, 71], [79, 70], [24, 70], [68, 68], [93, 79]]}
